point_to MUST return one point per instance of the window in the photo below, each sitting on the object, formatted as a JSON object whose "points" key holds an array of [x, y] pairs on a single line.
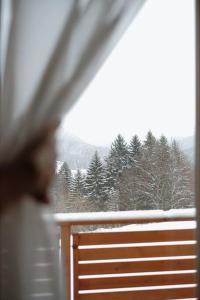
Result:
{"points": [[129, 142]]}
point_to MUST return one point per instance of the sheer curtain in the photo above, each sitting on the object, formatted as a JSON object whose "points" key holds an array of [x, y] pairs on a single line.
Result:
{"points": [[50, 50]]}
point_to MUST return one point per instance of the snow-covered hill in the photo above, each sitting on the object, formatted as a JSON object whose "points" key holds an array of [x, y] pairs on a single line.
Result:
{"points": [[76, 152], [187, 144]]}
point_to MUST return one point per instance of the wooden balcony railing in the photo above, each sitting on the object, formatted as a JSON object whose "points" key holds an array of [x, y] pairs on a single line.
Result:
{"points": [[136, 264]]}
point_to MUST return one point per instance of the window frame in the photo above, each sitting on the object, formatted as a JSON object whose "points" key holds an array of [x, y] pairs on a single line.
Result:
{"points": [[197, 136]]}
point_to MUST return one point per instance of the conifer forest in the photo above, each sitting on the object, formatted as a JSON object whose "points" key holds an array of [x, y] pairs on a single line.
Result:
{"points": [[148, 175]]}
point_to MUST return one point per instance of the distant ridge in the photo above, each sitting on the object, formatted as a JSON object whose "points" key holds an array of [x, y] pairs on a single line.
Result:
{"points": [[187, 144], [78, 153]]}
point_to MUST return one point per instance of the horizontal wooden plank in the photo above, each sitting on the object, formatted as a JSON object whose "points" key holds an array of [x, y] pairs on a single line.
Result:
{"points": [[138, 266], [160, 294], [136, 252], [136, 281], [102, 238]]}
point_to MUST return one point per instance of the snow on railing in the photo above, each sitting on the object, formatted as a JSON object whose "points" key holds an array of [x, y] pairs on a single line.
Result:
{"points": [[124, 217]]}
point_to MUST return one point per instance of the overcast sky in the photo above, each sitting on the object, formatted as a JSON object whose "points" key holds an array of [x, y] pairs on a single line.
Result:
{"points": [[146, 83]]}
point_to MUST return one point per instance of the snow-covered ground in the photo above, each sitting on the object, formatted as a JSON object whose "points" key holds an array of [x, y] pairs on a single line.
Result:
{"points": [[153, 226]]}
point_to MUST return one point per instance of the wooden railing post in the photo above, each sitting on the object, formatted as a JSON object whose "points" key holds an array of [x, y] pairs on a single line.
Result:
{"points": [[76, 265], [65, 231]]}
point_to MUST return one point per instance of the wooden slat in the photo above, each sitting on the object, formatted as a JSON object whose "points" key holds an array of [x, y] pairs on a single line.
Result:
{"points": [[136, 281], [161, 294], [135, 237], [76, 266], [138, 266], [136, 252]]}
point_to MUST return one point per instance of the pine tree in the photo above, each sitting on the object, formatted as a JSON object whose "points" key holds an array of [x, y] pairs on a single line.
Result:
{"points": [[150, 140], [127, 192], [116, 162], [95, 181], [177, 155], [134, 150], [163, 140], [119, 154], [61, 190], [111, 175], [65, 173], [146, 174], [162, 169], [78, 183], [111, 184]]}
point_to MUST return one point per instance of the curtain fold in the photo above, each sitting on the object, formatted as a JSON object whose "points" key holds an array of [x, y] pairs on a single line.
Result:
{"points": [[50, 51]]}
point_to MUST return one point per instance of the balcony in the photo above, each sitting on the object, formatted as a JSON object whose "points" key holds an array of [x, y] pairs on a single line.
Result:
{"points": [[153, 258]]}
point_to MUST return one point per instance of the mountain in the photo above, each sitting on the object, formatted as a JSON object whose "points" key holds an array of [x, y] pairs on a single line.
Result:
{"points": [[76, 152]]}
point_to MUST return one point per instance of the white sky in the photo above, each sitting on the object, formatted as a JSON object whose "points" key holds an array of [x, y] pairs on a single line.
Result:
{"points": [[147, 82]]}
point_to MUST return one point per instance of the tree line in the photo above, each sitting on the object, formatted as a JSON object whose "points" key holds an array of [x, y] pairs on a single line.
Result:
{"points": [[153, 174]]}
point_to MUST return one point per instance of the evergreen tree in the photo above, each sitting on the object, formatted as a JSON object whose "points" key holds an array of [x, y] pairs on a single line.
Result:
{"points": [[119, 154], [116, 163], [146, 174], [78, 183], [135, 149], [111, 184], [128, 194], [95, 180], [111, 175], [150, 141], [176, 153], [65, 173], [163, 140], [61, 189], [162, 169]]}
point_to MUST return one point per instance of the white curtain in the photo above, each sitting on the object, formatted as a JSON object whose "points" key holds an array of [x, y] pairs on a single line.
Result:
{"points": [[50, 50]]}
